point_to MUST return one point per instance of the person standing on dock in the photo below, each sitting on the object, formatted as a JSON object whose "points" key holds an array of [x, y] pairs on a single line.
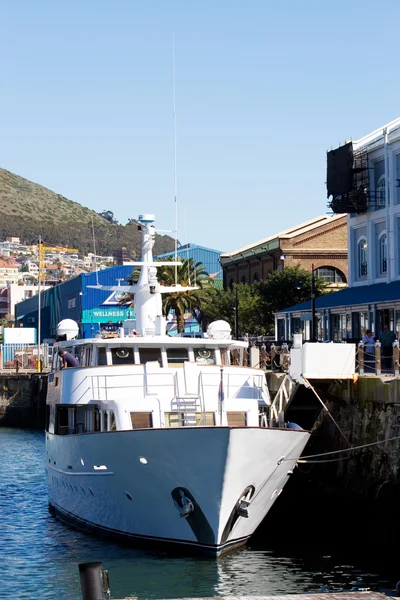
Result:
{"points": [[369, 350], [386, 339]]}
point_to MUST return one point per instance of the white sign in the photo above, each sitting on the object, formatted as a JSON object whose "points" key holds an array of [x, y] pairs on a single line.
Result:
{"points": [[19, 335]]}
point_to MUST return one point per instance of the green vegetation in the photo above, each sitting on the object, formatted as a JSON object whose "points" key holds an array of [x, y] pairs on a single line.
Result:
{"points": [[257, 302], [28, 210]]}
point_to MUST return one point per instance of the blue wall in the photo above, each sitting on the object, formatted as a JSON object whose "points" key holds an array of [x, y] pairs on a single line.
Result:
{"points": [[74, 299], [206, 256]]}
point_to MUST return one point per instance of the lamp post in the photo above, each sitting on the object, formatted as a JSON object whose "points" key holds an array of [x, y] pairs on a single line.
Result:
{"points": [[236, 313], [313, 324]]}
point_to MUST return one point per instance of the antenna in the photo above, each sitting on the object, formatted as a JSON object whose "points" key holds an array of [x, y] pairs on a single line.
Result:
{"points": [[175, 173], [95, 257]]}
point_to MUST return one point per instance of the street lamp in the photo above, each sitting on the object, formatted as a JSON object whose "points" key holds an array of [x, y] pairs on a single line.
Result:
{"points": [[313, 323], [236, 313]]}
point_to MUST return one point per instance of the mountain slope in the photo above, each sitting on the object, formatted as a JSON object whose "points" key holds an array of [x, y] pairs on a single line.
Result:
{"points": [[28, 210]]}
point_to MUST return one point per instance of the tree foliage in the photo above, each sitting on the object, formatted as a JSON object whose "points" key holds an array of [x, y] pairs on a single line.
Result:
{"points": [[258, 302], [108, 215]]}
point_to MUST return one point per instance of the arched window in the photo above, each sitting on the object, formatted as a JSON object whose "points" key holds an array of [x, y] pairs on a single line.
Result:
{"points": [[244, 279], [382, 254], [362, 258], [256, 277], [330, 275], [380, 193]]}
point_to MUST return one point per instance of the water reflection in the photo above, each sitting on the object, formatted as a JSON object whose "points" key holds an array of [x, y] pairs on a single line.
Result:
{"points": [[40, 556]]}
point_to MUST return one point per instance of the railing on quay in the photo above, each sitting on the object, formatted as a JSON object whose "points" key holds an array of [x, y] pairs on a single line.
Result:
{"points": [[24, 357]]}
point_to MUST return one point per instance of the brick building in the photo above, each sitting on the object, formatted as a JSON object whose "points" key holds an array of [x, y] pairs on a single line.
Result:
{"points": [[321, 242]]}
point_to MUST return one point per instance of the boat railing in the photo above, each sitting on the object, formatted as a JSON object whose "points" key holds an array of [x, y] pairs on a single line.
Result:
{"points": [[101, 389], [249, 386]]}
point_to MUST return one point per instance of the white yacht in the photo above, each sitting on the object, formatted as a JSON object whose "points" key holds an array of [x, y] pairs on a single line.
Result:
{"points": [[154, 438]]}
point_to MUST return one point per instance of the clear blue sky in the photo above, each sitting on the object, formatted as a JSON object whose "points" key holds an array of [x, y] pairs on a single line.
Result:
{"points": [[263, 89]]}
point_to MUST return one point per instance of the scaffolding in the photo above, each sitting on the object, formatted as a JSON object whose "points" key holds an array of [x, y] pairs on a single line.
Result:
{"points": [[360, 197]]}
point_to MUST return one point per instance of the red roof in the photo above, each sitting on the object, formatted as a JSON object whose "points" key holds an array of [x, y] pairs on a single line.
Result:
{"points": [[8, 264]]}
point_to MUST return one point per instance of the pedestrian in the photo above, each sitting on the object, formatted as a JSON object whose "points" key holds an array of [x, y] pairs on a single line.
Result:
{"points": [[369, 351], [386, 339], [68, 359]]}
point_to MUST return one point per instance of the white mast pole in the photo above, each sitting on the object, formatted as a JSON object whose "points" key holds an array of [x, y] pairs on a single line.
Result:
{"points": [[39, 361], [175, 170], [94, 250]]}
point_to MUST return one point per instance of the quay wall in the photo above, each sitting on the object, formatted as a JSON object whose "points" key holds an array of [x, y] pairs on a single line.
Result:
{"points": [[23, 400], [366, 410]]}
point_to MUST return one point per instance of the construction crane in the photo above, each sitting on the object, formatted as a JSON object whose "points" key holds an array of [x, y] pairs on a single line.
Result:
{"points": [[43, 249]]}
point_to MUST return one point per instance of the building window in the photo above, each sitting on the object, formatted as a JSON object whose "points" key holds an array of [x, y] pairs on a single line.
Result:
{"points": [[256, 277], [382, 254], [362, 258], [244, 279], [380, 192], [330, 275]]}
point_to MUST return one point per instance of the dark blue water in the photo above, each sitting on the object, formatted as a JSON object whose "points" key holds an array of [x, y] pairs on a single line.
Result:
{"points": [[39, 556]]}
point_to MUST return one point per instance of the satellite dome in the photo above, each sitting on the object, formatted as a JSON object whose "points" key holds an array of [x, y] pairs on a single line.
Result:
{"points": [[68, 329], [219, 330]]}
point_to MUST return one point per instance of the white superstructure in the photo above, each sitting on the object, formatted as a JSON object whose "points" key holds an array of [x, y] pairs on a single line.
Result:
{"points": [[160, 439]]}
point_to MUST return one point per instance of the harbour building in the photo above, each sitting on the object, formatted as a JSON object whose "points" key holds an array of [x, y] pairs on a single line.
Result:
{"points": [[319, 244], [94, 310], [363, 184]]}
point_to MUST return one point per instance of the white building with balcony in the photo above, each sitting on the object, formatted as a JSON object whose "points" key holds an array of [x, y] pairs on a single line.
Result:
{"points": [[363, 181], [374, 233]]}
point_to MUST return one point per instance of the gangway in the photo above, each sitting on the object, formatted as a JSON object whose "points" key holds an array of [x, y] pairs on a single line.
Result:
{"points": [[314, 368]]}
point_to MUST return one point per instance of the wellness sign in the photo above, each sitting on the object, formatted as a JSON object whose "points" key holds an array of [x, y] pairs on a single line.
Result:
{"points": [[105, 315]]}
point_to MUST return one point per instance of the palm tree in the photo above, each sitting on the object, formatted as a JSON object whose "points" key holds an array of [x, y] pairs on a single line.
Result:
{"points": [[188, 273]]}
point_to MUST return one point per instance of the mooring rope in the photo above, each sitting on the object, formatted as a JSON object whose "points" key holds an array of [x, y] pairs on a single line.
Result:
{"points": [[305, 458]]}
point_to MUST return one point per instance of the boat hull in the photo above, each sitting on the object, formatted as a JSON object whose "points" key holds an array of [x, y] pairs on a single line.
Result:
{"points": [[133, 485]]}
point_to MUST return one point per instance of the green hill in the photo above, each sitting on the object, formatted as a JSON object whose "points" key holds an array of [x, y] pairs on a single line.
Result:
{"points": [[28, 210]]}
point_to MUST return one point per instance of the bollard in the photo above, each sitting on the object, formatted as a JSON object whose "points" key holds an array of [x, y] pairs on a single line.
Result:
{"points": [[378, 366], [361, 358], [273, 354], [396, 357], [94, 581]]}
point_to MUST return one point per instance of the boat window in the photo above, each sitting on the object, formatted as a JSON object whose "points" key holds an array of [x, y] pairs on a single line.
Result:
{"points": [[141, 420], [177, 419], [56, 363], [206, 419], [236, 419], [204, 356], [149, 355], [173, 419], [66, 420], [113, 422], [86, 356], [101, 356], [122, 356], [177, 356]]}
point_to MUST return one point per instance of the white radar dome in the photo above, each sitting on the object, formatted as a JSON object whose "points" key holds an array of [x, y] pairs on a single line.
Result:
{"points": [[67, 328], [219, 330], [146, 218]]}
